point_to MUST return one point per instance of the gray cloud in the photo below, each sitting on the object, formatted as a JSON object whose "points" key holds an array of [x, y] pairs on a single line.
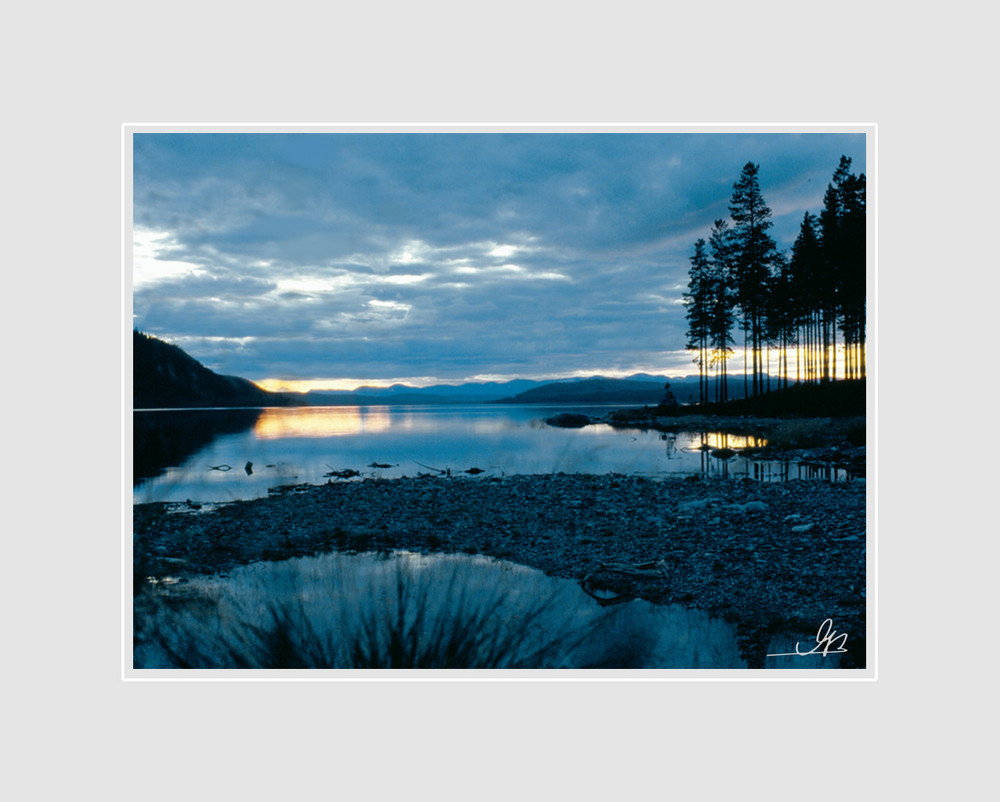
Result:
{"points": [[379, 256]]}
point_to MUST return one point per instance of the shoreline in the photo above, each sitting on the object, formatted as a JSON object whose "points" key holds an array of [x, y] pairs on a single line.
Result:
{"points": [[766, 557]]}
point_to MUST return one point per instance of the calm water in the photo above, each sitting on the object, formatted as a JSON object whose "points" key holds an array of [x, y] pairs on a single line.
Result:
{"points": [[203, 455], [336, 603]]}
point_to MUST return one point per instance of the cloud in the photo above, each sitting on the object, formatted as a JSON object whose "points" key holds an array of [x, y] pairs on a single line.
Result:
{"points": [[448, 255]]}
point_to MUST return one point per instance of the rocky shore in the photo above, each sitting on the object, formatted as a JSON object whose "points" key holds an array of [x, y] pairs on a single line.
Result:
{"points": [[768, 557]]}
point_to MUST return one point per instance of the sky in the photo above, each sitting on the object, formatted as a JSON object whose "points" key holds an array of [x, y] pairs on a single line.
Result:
{"points": [[330, 260]]}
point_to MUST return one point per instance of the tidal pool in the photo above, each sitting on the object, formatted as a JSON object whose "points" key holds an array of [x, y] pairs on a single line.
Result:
{"points": [[408, 610]]}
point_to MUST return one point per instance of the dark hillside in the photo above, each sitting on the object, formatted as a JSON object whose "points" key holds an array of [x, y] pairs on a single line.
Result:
{"points": [[165, 376]]}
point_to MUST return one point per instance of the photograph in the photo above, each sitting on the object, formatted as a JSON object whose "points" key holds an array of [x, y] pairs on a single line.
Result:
{"points": [[498, 401]]}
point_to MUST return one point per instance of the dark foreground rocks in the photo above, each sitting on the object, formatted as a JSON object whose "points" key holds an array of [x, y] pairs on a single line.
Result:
{"points": [[768, 557]]}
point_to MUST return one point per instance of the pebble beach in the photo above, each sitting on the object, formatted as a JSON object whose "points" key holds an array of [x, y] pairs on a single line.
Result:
{"points": [[764, 556]]}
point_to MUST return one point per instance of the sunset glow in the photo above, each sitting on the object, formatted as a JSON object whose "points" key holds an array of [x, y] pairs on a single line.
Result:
{"points": [[320, 422]]}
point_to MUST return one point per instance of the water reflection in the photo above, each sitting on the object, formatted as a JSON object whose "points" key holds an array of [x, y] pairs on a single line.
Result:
{"points": [[320, 422], [166, 438], [413, 611], [408, 610], [724, 440], [176, 451]]}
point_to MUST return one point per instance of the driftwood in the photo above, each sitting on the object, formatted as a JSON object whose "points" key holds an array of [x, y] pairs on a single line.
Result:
{"points": [[445, 471], [346, 473]]}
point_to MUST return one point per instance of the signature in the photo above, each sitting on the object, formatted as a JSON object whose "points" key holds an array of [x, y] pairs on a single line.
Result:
{"points": [[827, 642]]}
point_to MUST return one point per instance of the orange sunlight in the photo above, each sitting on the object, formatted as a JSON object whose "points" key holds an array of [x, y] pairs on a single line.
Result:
{"points": [[320, 422]]}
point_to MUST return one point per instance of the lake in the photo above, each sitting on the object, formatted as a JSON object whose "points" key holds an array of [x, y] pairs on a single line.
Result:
{"points": [[228, 455]]}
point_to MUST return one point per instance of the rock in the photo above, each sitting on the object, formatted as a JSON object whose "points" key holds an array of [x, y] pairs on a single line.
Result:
{"points": [[568, 420], [750, 506], [346, 473]]}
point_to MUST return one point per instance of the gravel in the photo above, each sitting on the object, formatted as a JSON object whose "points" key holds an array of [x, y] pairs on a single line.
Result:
{"points": [[767, 557]]}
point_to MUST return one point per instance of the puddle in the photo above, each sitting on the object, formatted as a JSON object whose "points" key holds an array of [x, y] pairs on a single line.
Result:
{"points": [[407, 610]]}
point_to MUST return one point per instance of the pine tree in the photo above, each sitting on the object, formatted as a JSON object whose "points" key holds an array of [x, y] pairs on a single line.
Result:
{"points": [[842, 285], [805, 267], [781, 315], [754, 254], [697, 301], [852, 283], [721, 304]]}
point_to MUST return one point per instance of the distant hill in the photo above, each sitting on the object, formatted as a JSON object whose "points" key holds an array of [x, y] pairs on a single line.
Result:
{"points": [[468, 393], [165, 376], [640, 388], [592, 391], [354, 399]]}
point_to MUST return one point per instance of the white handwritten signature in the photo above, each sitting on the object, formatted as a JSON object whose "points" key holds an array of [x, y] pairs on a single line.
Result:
{"points": [[826, 639]]}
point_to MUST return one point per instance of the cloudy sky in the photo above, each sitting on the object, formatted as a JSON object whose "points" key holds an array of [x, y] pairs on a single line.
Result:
{"points": [[340, 258]]}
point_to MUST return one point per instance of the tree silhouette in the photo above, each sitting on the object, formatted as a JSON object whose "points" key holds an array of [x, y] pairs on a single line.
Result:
{"points": [[851, 268], [721, 303], [697, 301], [842, 286], [782, 320], [754, 254], [805, 267], [783, 303]]}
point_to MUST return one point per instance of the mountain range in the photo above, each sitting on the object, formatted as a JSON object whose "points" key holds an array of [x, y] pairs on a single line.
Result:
{"points": [[640, 388], [164, 376]]}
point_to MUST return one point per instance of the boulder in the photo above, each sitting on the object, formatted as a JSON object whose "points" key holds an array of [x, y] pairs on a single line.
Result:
{"points": [[568, 420]]}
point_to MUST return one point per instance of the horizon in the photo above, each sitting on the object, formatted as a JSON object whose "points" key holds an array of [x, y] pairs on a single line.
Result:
{"points": [[736, 371], [351, 385], [338, 260]]}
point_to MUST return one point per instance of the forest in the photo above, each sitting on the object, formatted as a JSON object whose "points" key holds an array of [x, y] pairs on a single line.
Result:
{"points": [[794, 311]]}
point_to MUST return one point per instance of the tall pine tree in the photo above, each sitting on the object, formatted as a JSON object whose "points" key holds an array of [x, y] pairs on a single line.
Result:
{"points": [[697, 301], [721, 304], [754, 254], [805, 267]]}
